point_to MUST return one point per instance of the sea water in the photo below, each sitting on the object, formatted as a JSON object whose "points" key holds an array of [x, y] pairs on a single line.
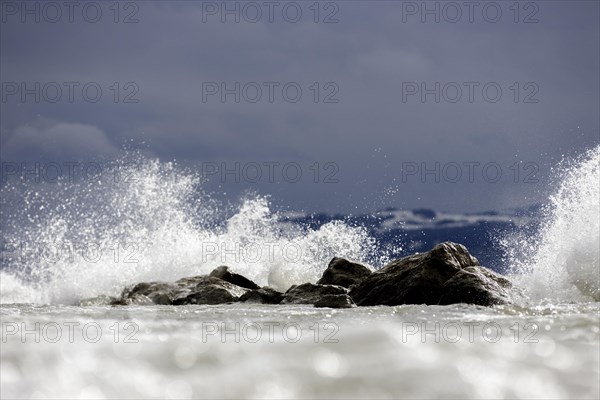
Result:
{"points": [[74, 241]]}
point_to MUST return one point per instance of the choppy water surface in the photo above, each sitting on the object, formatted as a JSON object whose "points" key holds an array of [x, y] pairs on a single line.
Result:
{"points": [[235, 351], [547, 346]]}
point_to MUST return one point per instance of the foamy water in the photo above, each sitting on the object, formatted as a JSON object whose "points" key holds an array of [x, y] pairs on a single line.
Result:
{"points": [[563, 261], [77, 240], [546, 346], [229, 351], [152, 221]]}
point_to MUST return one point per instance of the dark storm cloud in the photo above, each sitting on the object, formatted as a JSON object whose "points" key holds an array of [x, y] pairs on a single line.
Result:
{"points": [[371, 134]]}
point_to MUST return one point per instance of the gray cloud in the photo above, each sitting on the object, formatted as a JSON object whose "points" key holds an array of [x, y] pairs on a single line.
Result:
{"points": [[51, 140], [371, 134]]}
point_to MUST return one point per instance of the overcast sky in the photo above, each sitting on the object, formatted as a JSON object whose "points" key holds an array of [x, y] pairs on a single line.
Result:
{"points": [[360, 121]]}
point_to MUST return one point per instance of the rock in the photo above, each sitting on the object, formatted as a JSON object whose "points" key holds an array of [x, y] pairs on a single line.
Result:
{"points": [[447, 274], [476, 285], [162, 293], [342, 272], [189, 281], [223, 272], [422, 279], [212, 290], [335, 301], [138, 300], [211, 294], [102, 300], [143, 288], [162, 297], [265, 295], [310, 293], [200, 289]]}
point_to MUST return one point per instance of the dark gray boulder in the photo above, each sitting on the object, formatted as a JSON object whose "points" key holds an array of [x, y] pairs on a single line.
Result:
{"points": [[310, 293], [422, 279], [265, 295], [212, 290], [211, 294], [447, 274], [163, 297], [224, 273], [200, 289], [145, 288], [342, 272], [335, 301], [135, 299], [151, 293], [476, 285]]}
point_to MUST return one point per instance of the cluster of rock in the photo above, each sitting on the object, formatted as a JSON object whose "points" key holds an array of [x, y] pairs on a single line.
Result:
{"points": [[447, 274]]}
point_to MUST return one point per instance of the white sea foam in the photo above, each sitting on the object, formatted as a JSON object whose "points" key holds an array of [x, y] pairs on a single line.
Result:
{"points": [[65, 241], [152, 222], [561, 262]]}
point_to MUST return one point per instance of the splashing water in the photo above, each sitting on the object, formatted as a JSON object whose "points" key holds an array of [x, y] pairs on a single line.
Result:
{"points": [[562, 262], [148, 220]]}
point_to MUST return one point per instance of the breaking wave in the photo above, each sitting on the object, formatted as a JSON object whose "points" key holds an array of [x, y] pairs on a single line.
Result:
{"points": [[150, 220], [561, 262]]}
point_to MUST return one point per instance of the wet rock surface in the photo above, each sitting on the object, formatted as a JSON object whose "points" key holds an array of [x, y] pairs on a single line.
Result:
{"points": [[447, 274], [335, 301], [476, 285], [342, 272], [265, 295], [224, 273], [201, 289], [310, 293]]}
